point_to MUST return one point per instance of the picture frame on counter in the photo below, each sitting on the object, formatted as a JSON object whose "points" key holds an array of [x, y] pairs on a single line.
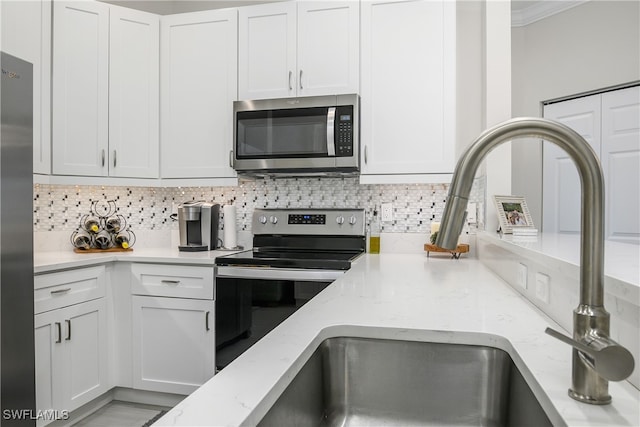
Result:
{"points": [[513, 213]]}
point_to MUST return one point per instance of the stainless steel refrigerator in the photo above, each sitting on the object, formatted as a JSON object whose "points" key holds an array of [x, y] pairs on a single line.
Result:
{"points": [[17, 354]]}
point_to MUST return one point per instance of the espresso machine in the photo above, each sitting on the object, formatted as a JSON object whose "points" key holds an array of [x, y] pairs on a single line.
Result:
{"points": [[198, 225]]}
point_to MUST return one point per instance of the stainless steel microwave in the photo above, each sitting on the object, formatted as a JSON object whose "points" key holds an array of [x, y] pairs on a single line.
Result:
{"points": [[318, 135]]}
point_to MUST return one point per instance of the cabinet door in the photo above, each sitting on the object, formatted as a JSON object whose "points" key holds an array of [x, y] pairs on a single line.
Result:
{"points": [[134, 89], [71, 356], [328, 47], [173, 343], [620, 158], [80, 88], [267, 51], [408, 88], [199, 85], [49, 363], [85, 337], [561, 197], [26, 33]]}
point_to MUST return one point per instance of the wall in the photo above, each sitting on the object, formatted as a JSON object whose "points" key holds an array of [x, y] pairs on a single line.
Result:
{"points": [[58, 210], [591, 46]]}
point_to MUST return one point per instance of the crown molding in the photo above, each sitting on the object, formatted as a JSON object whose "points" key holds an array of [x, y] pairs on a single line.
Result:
{"points": [[540, 10]]}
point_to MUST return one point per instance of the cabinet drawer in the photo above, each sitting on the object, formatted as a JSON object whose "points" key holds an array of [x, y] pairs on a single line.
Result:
{"points": [[64, 288], [178, 281]]}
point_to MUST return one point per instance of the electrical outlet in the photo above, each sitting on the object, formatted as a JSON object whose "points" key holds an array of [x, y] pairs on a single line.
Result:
{"points": [[386, 212], [542, 287], [522, 276]]}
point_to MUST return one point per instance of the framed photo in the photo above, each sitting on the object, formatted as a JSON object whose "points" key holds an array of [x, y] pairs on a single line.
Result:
{"points": [[512, 213]]}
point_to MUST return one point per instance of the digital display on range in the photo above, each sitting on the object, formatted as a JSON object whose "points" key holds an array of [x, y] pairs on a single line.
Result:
{"points": [[319, 219]]}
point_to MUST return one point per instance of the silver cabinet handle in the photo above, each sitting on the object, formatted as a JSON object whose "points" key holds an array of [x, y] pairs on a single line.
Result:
{"points": [[68, 321], [59, 332], [103, 157], [114, 159], [170, 282], [231, 158], [300, 79], [290, 75], [365, 154], [60, 291], [206, 321], [331, 120]]}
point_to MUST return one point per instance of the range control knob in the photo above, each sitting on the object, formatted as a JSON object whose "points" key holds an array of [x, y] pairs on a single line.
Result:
{"points": [[353, 220], [273, 219], [262, 219], [340, 219]]}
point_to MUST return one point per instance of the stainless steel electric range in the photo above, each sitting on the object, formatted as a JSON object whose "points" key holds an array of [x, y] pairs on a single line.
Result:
{"points": [[296, 253]]}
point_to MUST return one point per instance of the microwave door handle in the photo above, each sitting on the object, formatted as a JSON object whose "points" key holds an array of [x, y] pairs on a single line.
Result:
{"points": [[331, 121]]}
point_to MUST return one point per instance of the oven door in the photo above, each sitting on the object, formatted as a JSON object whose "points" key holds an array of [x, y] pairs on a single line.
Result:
{"points": [[251, 301]]}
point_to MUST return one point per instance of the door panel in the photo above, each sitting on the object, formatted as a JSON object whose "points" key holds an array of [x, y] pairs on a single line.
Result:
{"points": [[621, 163], [561, 182]]}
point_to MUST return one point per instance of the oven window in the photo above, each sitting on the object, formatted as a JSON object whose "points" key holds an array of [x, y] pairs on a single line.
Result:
{"points": [[282, 133], [248, 309]]}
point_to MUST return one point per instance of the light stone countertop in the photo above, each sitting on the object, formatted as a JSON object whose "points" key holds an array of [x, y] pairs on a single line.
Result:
{"points": [[404, 296], [61, 260]]}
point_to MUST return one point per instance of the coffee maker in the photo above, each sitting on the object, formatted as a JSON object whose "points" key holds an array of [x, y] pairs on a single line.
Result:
{"points": [[198, 224]]}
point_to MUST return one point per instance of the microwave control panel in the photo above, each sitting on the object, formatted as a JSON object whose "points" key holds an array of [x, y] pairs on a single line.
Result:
{"points": [[344, 131]]}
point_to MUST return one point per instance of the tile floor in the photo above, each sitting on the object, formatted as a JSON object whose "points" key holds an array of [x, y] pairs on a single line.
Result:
{"points": [[121, 414]]}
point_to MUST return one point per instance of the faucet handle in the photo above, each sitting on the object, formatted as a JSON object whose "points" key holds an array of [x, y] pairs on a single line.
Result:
{"points": [[609, 359]]}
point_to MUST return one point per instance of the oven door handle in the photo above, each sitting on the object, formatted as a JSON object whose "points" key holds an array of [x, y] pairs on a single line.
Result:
{"points": [[278, 273]]}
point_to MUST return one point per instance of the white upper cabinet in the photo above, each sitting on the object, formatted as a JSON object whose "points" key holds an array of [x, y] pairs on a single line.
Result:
{"points": [[610, 123], [80, 88], [198, 86], [26, 34], [134, 90], [105, 91], [408, 77], [298, 49]]}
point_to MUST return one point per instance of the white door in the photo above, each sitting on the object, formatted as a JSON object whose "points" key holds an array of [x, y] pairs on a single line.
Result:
{"points": [[173, 343], [134, 90], [80, 105], [267, 51], [85, 336], [561, 198], [198, 85], [620, 157], [408, 87], [328, 58], [26, 33]]}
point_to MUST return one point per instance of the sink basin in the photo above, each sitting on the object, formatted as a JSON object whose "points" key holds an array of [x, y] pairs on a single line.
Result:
{"points": [[377, 382]]}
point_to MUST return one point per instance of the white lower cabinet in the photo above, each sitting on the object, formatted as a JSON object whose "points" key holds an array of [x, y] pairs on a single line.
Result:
{"points": [[70, 338], [173, 317], [173, 343], [71, 353]]}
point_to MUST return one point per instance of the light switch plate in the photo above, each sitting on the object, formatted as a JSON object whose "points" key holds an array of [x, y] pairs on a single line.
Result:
{"points": [[386, 212], [542, 287]]}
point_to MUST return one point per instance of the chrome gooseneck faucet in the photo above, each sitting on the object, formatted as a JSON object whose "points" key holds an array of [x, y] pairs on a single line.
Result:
{"points": [[597, 359]]}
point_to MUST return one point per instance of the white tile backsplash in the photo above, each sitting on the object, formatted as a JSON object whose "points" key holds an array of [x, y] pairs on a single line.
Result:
{"points": [[60, 209]]}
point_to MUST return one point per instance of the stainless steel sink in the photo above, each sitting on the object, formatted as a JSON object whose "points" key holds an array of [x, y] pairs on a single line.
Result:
{"points": [[376, 382]]}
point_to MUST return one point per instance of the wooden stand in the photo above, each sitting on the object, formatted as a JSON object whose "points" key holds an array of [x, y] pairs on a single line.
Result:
{"points": [[99, 251], [462, 248]]}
